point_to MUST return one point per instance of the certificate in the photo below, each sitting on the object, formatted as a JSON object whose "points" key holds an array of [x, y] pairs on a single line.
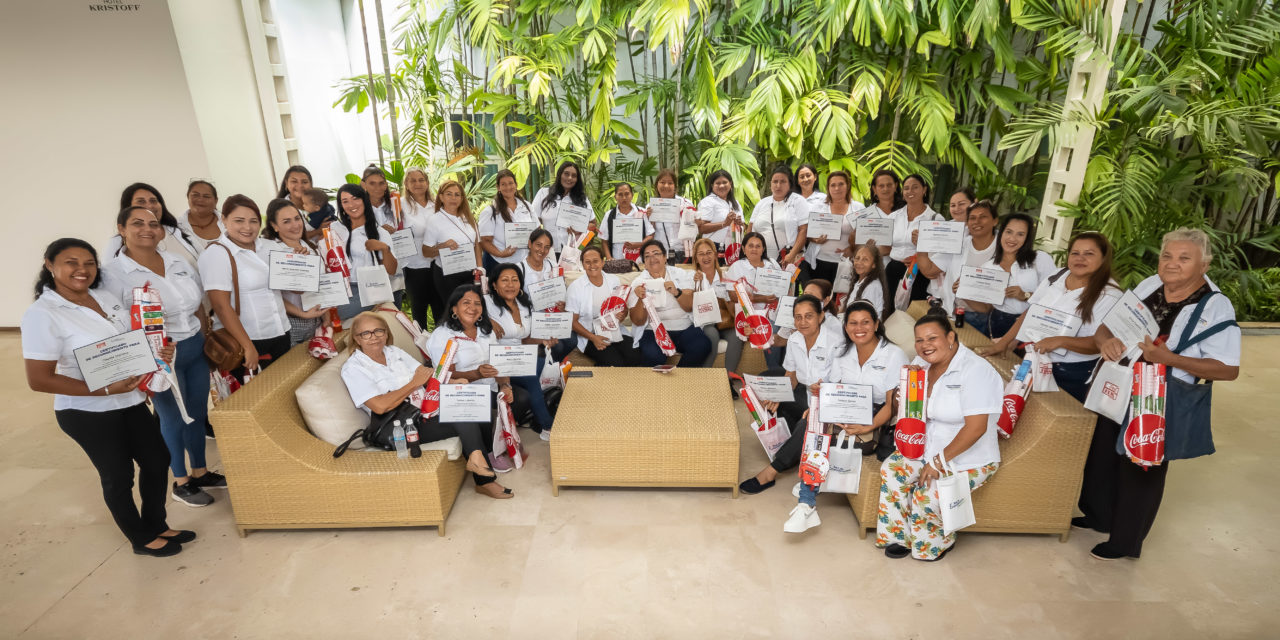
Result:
{"points": [[773, 282], [770, 388], [845, 403], [1131, 321], [545, 294], [665, 210], [722, 289], [111, 360], [627, 229], [1046, 322], [572, 217], [983, 284], [331, 293], [293, 272], [555, 326], [517, 233], [464, 402], [786, 317], [878, 229], [824, 224], [403, 244], [460, 260], [514, 360], [939, 236]]}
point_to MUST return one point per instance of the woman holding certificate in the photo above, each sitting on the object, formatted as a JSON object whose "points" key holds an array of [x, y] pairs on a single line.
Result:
{"points": [[810, 352], [416, 212], [668, 291], [285, 225], [1083, 293], [962, 393], [665, 211], [718, 211], [1016, 255], [782, 219], [380, 376], [747, 269], [563, 207], [235, 271], [620, 242], [451, 243], [865, 358], [906, 233], [824, 253], [977, 248], [511, 315], [600, 339], [708, 276], [142, 264], [1121, 497], [497, 219], [886, 198], [365, 242], [111, 423]]}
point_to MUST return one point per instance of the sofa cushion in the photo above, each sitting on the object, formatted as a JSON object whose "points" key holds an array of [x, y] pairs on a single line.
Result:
{"points": [[900, 329]]}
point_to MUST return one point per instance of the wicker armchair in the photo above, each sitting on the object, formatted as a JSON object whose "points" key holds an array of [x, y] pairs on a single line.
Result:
{"points": [[282, 477]]}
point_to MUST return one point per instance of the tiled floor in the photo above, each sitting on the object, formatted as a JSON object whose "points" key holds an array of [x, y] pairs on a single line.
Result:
{"points": [[636, 563]]}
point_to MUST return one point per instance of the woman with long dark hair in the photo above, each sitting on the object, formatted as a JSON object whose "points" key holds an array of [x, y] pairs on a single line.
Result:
{"points": [[868, 281], [141, 194], [824, 254], [977, 248], [511, 314], [568, 189], [507, 208], [374, 181], [719, 209], [1016, 254], [365, 242], [906, 230], [452, 227], [287, 227]]}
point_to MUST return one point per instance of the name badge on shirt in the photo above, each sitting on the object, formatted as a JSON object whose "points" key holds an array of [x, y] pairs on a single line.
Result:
{"points": [[953, 387]]}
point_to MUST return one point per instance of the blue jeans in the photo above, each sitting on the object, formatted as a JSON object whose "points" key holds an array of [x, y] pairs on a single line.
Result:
{"points": [[192, 372], [537, 402], [808, 495], [978, 321], [1000, 323], [691, 343]]}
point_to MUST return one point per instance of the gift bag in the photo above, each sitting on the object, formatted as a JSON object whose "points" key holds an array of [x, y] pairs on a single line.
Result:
{"points": [[1144, 437], [845, 462], [375, 285], [772, 432], [1109, 392], [706, 308], [844, 277], [321, 346], [955, 499], [551, 377], [506, 440], [1041, 371], [902, 297]]}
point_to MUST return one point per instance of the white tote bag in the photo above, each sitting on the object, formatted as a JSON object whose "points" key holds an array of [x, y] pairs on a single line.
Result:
{"points": [[1110, 392], [772, 436], [551, 377], [705, 308], [375, 285], [846, 466], [1041, 371], [844, 277], [955, 500]]}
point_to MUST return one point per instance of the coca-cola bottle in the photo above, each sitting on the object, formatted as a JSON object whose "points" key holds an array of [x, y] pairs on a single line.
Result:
{"points": [[411, 439]]}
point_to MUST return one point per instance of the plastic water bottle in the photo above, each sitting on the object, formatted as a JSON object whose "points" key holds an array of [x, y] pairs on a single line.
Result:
{"points": [[397, 436], [411, 437]]}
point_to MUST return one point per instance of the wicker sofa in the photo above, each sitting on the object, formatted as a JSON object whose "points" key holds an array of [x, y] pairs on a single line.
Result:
{"points": [[1042, 465], [283, 477]]}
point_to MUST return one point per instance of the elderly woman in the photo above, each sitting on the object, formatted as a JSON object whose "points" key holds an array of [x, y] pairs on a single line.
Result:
{"points": [[1120, 497], [963, 392], [670, 291], [380, 376]]}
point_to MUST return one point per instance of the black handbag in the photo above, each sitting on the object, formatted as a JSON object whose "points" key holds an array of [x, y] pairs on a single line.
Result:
{"points": [[381, 427]]}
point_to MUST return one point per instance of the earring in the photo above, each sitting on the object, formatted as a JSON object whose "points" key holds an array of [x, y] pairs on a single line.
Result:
{"points": [[454, 316]]}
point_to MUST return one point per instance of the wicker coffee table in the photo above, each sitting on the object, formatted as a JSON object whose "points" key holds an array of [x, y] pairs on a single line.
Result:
{"points": [[633, 427]]}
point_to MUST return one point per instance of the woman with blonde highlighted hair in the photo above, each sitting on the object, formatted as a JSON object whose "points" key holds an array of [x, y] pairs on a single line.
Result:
{"points": [[452, 227]]}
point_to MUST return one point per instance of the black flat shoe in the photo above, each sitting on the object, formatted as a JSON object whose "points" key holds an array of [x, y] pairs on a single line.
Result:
{"points": [[1086, 524], [182, 537], [1104, 551], [751, 486], [896, 551], [170, 548]]}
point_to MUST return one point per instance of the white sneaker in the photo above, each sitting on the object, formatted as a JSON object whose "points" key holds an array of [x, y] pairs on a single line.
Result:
{"points": [[795, 491], [545, 435], [803, 518]]}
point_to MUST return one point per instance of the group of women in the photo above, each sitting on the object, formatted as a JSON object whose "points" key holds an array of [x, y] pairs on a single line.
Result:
{"points": [[210, 268]]}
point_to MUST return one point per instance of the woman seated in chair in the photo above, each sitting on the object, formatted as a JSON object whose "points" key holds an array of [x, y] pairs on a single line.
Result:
{"points": [[511, 314], [810, 351], [603, 346], [380, 377], [963, 391]]}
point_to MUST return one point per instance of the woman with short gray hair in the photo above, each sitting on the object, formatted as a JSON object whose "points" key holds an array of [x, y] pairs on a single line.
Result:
{"points": [[1119, 497]]}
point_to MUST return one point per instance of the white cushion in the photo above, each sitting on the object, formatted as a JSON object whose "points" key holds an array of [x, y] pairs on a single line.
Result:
{"points": [[900, 328]]}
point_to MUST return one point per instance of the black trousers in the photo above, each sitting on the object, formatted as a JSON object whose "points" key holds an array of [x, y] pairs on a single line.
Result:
{"points": [[444, 286], [1118, 496], [475, 436], [269, 351], [420, 289], [824, 270], [895, 271], [788, 456], [617, 354], [114, 441]]}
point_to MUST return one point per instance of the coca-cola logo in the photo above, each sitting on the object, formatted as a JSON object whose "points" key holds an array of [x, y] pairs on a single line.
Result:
{"points": [[433, 395], [335, 263], [909, 438], [1155, 436], [1011, 407]]}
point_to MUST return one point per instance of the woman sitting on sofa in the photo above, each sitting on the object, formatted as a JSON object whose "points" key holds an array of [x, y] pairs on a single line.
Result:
{"points": [[379, 376]]}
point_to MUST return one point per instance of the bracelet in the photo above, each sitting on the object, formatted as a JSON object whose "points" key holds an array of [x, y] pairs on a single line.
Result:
{"points": [[106, 391]]}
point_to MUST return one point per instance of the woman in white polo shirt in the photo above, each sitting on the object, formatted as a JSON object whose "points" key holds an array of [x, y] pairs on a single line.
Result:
{"points": [[718, 211], [141, 264], [906, 230], [622, 194], [586, 298], [201, 221], [511, 315], [1016, 254], [807, 184], [824, 254], [750, 263], [141, 194], [672, 291], [886, 197], [364, 241], [257, 318], [111, 424], [418, 208], [810, 353], [507, 207], [782, 219], [963, 392], [977, 248], [668, 233], [568, 189], [453, 227]]}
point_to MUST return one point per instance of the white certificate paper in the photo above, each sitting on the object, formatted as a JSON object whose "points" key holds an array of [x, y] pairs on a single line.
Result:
{"points": [[786, 312], [878, 229], [845, 403], [1131, 321], [770, 388], [464, 402], [1046, 322], [331, 293], [572, 216], [773, 282], [627, 229], [664, 210], [514, 360], [113, 359], [556, 326], [293, 272], [983, 284], [404, 245], [460, 260], [545, 294], [517, 233], [824, 224], [939, 236]]}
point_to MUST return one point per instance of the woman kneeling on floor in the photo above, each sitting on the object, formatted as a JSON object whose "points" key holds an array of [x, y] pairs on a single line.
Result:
{"points": [[963, 391], [379, 376]]}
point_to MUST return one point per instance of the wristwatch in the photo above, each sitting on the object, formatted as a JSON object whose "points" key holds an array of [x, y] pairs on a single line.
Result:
{"points": [[679, 292]]}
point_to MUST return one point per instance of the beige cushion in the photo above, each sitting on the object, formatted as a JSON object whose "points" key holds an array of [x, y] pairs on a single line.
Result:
{"points": [[330, 415], [900, 328]]}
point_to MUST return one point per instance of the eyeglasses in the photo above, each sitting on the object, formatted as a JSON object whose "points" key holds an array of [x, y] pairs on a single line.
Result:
{"points": [[372, 333]]}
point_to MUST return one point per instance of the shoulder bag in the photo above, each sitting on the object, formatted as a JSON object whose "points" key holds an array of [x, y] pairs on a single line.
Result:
{"points": [[221, 349], [379, 433]]}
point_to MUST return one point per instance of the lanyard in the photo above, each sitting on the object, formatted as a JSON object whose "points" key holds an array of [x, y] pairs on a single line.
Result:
{"points": [[773, 224], [454, 219]]}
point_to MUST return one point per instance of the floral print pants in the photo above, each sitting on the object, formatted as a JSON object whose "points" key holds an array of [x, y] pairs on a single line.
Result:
{"points": [[907, 516]]}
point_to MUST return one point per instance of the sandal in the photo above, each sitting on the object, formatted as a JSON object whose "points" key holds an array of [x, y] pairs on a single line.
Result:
{"points": [[491, 489]]}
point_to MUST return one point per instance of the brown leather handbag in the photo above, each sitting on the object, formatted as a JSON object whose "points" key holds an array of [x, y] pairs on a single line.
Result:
{"points": [[221, 349]]}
